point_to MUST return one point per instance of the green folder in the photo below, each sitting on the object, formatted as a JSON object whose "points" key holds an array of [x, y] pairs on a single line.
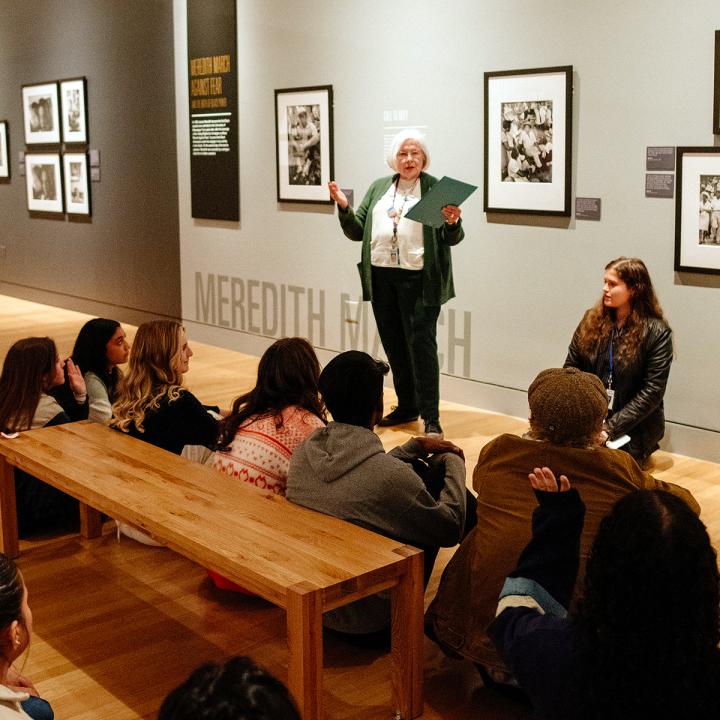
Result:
{"points": [[445, 191]]}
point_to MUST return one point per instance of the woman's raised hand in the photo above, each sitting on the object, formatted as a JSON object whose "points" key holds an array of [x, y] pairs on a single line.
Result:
{"points": [[75, 378], [338, 195], [543, 479]]}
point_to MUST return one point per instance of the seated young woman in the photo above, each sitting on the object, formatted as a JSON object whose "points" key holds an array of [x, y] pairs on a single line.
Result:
{"points": [[151, 404], [99, 348], [31, 369], [266, 424], [269, 422], [18, 696]]}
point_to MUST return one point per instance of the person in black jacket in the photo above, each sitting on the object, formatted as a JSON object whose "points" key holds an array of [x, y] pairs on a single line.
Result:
{"points": [[625, 340]]}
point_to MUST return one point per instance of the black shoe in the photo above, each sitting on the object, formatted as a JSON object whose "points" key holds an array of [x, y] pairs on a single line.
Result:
{"points": [[433, 429], [399, 416]]}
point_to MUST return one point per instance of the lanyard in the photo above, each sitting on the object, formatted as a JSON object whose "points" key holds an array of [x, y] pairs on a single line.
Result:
{"points": [[396, 215], [610, 376]]}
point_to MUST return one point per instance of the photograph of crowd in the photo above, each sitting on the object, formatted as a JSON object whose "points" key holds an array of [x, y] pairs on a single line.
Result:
{"points": [[709, 210], [526, 138], [304, 162]]}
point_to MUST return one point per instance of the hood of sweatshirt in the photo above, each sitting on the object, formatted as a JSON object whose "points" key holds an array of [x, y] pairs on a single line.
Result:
{"points": [[333, 451]]}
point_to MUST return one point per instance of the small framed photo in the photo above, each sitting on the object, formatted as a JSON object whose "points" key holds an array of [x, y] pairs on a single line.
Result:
{"points": [[41, 114], [73, 103], [77, 187], [716, 103], [43, 175], [4, 150], [697, 210], [304, 144], [528, 141]]}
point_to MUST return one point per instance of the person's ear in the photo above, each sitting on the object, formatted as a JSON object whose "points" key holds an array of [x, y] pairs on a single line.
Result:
{"points": [[15, 634]]}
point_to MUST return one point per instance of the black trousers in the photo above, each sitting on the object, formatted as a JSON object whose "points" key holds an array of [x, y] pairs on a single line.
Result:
{"points": [[407, 330]]}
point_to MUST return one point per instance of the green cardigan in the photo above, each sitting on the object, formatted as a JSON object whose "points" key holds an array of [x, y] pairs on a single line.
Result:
{"points": [[437, 275]]}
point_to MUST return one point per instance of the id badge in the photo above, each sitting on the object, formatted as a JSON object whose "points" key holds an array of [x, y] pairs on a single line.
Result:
{"points": [[394, 259], [611, 398]]}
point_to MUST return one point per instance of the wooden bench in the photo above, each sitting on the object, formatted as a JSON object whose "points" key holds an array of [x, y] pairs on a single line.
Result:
{"points": [[296, 558]]}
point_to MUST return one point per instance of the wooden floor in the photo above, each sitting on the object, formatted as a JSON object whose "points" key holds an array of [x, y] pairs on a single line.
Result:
{"points": [[117, 625]]}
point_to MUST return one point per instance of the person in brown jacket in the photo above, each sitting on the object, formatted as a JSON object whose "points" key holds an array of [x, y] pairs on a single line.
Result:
{"points": [[567, 409]]}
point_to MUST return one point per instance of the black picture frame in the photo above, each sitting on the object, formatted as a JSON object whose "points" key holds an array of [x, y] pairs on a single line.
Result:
{"points": [[73, 110], [4, 152], [303, 173], [716, 102], [41, 113], [77, 183], [43, 182], [697, 174], [536, 182]]}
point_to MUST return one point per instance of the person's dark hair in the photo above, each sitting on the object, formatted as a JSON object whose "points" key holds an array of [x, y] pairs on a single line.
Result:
{"points": [[648, 624], [237, 690], [11, 591], [287, 375], [599, 320], [351, 385], [90, 351], [29, 365]]}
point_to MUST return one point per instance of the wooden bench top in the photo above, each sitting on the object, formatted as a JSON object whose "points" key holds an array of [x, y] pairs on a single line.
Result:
{"points": [[296, 558]]}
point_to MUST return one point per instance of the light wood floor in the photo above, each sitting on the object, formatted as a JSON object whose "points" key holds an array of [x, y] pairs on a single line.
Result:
{"points": [[117, 625]]}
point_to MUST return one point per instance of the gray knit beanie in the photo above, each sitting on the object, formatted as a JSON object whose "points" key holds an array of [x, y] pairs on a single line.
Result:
{"points": [[567, 404]]}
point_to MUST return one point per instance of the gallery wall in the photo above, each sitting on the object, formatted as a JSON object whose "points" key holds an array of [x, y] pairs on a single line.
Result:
{"points": [[124, 262], [643, 76]]}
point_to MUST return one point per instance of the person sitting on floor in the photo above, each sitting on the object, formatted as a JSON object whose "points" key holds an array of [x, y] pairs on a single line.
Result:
{"points": [[567, 409], [18, 696], [643, 642], [239, 689], [343, 470], [32, 367]]}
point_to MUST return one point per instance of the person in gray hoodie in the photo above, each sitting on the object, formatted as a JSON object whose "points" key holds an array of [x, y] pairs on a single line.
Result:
{"points": [[344, 471]]}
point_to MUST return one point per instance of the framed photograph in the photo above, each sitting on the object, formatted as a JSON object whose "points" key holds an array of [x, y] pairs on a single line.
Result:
{"points": [[73, 104], [716, 104], [304, 144], [528, 141], [77, 187], [4, 150], [697, 210], [43, 175], [41, 114]]}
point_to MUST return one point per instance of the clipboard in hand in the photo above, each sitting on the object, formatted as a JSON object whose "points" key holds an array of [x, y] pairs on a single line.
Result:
{"points": [[445, 191]]}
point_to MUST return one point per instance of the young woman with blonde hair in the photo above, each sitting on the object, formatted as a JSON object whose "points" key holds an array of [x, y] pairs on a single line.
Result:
{"points": [[625, 340], [151, 403]]}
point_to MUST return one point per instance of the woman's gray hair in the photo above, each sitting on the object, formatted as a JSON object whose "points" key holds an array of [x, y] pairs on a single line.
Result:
{"points": [[399, 139]]}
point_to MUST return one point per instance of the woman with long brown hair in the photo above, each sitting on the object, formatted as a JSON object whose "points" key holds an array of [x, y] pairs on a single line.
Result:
{"points": [[625, 340], [31, 369]]}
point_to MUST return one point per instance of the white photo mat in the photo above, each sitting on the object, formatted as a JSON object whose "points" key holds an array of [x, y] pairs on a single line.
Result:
{"points": [[41, 114], [73, 103], [43, 178], [77, 186], [4, 157]]}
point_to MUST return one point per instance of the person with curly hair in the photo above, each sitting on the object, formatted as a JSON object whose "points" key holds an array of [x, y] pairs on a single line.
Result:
{"points": [[236, 690], [643, 641], [625, 340]]}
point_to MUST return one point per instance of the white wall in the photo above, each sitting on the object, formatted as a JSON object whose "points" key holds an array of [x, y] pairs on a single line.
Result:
{"points": [[643, 76]]}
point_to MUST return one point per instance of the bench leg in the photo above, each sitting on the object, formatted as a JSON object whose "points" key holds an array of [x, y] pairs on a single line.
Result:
{"points": [[305, 643], [406, 659], [90, 522], [8, 510]]}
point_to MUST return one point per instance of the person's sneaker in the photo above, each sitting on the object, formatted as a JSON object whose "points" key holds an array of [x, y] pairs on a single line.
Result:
{"points": [[399, 416], [433, 429]]}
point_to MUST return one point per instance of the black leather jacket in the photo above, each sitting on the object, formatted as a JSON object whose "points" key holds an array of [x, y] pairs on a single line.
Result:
{"points": [[639, 386]]}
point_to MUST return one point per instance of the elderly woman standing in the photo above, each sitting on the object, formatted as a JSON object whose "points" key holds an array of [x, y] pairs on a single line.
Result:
{"points": [[406, 272]]}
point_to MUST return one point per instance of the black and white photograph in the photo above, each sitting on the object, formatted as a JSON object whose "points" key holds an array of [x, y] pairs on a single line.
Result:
{"points": [[526, 154], [697, 210], [43, 176], [528, 141], [303, 126], [73, 101], [77, 187], [41, 114], [4, 151]]}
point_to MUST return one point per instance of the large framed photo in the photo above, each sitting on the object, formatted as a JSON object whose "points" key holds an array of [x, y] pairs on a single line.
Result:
{"points": [[43, 175], [77, 187], [73, 103], [528, 141], [697, 210], [304, 142], [4, 151], [716, 103], [41, 114]]}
